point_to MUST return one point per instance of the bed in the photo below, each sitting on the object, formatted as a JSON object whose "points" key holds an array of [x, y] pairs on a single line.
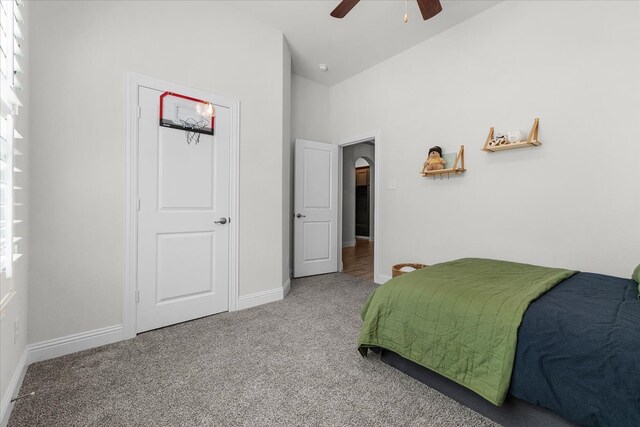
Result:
{"points": [[516, 335]]}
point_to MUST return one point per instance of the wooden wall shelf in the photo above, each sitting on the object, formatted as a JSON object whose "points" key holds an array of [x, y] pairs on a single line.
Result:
{"points": [[531, 141], [456, 169]]}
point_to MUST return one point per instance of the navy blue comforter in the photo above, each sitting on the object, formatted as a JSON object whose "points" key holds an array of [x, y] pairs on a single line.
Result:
{"points": [[578, 351]]}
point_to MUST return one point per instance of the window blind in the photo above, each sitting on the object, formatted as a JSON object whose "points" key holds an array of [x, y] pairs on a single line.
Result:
{"points": [[10, 136]]}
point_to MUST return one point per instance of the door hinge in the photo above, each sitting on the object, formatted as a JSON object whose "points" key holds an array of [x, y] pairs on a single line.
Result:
{"points": [[137, 296], [139, 111], [138, 204]]}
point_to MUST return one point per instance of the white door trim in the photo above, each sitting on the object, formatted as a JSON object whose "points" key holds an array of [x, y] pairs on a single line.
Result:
{"points": [[343, 142], [130, 271]]}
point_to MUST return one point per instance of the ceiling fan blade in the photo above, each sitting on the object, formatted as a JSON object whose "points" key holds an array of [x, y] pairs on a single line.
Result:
{"points": [[429, 8], [343, 8]]}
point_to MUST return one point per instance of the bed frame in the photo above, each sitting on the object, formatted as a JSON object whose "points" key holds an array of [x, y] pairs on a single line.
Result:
{"points": [[514, 412]]}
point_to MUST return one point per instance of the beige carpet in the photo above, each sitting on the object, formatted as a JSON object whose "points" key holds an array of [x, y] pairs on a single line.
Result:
{"points": [[289, 363]]}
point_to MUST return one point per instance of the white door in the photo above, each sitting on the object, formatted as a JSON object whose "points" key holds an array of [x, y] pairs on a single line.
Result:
{"points": [[183, 254], [315, 209]]}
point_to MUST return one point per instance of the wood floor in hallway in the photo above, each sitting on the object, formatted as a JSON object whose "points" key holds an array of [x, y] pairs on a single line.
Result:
{"points": [[358, 260]]}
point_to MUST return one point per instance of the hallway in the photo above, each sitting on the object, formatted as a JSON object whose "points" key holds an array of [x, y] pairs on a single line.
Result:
{"points": [[358, 260]]}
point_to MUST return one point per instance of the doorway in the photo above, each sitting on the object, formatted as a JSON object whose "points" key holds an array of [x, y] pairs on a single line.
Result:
{"points": [[358, 209]]}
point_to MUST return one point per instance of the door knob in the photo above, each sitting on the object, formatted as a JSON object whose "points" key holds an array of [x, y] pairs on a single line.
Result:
{"points": [[222, 221], [299, 215]]}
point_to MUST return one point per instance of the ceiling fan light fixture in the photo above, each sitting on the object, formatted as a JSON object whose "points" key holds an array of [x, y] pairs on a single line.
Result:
{"points": [[406, 15]]}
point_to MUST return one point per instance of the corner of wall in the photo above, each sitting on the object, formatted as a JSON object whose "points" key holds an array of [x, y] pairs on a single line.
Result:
{"points": [[286, 162]]}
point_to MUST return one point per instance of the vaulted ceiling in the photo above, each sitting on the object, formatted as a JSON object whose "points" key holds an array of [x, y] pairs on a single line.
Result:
{"points": [[372, 32]]}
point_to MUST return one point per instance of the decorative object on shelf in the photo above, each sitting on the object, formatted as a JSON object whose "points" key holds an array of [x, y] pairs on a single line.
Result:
{"points": [[497, 141], [400, 269], [434, 159], [457, 161], [514, 136]]}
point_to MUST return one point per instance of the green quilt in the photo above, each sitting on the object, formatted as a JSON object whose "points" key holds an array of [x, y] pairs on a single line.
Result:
{"points": [[458, 318]]}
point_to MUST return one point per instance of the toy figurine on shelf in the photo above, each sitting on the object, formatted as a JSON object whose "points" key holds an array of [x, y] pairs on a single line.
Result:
{"points": [[500, 138], [434, 161]]}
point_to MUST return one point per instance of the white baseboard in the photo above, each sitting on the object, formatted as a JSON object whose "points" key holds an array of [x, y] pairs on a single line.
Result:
{"points": [[286, 287], [263, 297], [57, 347], [12, 390], [348, 244], [382, 278]]}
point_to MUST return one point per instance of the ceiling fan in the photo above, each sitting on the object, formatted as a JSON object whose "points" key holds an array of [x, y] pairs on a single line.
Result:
{"points": [[428, 8]]}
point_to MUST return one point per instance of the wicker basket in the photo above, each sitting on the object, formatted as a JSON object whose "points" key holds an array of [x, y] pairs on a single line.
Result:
{"points": [[395, 270]]}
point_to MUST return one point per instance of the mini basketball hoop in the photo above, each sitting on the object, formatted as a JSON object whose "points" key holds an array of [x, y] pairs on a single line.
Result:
{"points": [[192, 115]]}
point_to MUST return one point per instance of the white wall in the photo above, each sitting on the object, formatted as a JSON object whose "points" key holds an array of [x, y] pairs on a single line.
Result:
{"points": [[350, 154], [11, 354], [81, 52], [573, 202], [309, 110]]}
